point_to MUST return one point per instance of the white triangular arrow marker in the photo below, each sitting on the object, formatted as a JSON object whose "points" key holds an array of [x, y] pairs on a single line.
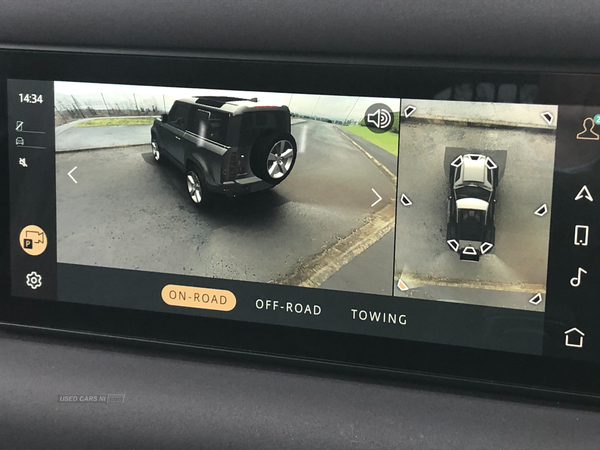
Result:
{"points": [[536, 299], [409, 110], [469, 251], [584, 193], [548, 117], [457, 162], [485, 247], [454, 245], [541, 211], [378, 197], [405, 200], [490, 164], [402, 285]]}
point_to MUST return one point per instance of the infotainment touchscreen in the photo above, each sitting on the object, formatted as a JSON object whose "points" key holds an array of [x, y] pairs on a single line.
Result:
{"points": [[466, 220]]}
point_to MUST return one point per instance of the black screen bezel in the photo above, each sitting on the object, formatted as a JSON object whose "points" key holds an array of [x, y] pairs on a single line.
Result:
{"points": [[335, 79]]}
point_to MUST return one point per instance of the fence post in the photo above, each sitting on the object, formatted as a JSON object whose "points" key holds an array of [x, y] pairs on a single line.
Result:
{"points": [[105, 104], [136, 105], [77, 107]]}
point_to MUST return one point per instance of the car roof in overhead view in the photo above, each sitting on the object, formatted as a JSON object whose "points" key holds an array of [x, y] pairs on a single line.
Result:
{"points": [[474, 168]]}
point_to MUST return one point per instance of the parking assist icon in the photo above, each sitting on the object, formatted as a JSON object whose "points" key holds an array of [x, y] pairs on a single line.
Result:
{"points": [[33, 240]]}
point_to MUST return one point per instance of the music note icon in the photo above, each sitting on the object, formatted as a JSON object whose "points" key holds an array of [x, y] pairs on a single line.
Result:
{"points": [[576, 281]]}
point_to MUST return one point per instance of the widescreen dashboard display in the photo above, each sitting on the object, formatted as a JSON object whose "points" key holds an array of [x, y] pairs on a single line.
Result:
{"points": [[426, 220]]}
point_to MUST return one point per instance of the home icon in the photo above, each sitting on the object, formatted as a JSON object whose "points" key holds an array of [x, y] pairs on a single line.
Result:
{"points": [[574, 338]]}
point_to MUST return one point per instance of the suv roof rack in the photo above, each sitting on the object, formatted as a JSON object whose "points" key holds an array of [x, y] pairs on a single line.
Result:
{"points": [[218, 102]]}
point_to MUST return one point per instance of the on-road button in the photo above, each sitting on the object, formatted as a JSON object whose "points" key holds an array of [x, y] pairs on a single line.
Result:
{"points": [[195, 297]]}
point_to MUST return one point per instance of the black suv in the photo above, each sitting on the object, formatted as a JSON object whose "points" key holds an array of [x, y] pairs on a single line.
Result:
{"points": [[472, 206], [226, 145]]}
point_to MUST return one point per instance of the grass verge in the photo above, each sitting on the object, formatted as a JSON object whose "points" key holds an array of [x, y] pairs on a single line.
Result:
{"points": [[116, 121], [387, 141]]}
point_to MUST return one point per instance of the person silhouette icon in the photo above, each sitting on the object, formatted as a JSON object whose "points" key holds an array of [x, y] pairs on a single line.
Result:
{"points": [[588, 130]]}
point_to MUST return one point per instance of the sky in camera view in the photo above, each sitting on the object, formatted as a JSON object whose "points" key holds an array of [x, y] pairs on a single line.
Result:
{"points": [[99, 96]]}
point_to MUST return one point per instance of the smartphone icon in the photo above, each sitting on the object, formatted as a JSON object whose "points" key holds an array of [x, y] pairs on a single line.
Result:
{"points": [[581, 235]]}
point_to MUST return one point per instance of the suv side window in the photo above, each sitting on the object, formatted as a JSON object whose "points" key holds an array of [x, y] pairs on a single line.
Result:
{"points": [[210, 125], [458, 171], [178, 116], [217, 127], [199, 123]]}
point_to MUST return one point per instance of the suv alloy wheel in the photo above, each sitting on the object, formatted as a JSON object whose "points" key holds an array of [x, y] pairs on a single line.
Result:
{"points": [[273, 156]]}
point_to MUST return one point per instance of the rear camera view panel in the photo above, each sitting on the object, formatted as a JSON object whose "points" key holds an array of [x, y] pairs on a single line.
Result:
{"points": [[290, 189], [474, 202]]}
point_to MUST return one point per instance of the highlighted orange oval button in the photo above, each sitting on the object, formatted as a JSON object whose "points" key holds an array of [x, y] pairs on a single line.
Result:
{"points": [[195, 297]]}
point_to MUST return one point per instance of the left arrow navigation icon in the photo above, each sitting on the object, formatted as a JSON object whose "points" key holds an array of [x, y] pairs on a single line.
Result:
{"points": [[71, 176]]}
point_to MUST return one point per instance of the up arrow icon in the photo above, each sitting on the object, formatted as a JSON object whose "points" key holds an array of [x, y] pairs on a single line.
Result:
{"points": [[584, 193]]}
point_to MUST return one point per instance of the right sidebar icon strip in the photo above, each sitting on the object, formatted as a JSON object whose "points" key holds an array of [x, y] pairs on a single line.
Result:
{"points": [[572, 310]]}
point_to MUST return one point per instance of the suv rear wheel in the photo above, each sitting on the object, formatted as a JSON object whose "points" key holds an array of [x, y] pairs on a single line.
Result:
{"points": [[273, 156], [156, 151], [196, 187]]}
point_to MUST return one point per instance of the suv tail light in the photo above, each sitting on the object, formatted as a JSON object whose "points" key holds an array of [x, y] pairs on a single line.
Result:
{"points": [[233, 165]]}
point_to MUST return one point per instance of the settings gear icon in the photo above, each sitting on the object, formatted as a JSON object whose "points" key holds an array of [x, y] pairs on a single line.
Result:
{"points": [[34, 280]]}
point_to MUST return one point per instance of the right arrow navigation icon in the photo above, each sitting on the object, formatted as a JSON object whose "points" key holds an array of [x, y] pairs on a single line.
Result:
{"points": [[584, 193]]}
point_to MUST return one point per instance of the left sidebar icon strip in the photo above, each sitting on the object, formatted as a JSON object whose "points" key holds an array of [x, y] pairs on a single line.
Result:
{"points": [[32, 177]]}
